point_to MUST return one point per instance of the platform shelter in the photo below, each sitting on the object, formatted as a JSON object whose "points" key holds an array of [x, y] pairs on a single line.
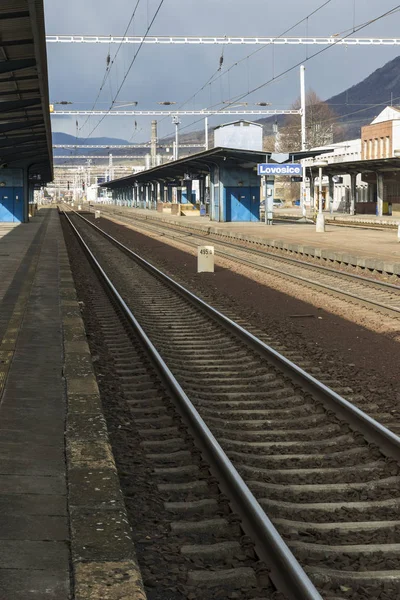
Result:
{"points": [[228, 183], [25, 132]]}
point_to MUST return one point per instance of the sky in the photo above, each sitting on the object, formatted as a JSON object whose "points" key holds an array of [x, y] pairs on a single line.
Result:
{"points": [[176, 73]]}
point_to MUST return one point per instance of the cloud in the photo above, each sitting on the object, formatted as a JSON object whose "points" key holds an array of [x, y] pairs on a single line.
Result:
{"points": [[176, 72]]}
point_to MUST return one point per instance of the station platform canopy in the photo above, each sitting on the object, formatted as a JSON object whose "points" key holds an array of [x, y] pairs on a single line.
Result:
{"points": [[25, 131], [378, 165], [201, 163]]}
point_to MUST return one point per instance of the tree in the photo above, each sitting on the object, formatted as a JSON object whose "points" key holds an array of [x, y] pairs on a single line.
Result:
{"points": [[320, 123]]}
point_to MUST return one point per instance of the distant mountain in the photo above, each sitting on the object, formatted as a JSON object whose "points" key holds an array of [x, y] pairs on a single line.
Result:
{"points": [[65, 138], [381, 88]]}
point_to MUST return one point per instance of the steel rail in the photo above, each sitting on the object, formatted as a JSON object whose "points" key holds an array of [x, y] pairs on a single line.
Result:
{"points": [[290, 259], [373, 431], [222, 40], [241, 260], [286, 573]]}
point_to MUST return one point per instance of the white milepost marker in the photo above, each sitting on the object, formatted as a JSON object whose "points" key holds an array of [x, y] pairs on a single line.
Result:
{"points": [[79, 207], [205, 259], [97, 214]]}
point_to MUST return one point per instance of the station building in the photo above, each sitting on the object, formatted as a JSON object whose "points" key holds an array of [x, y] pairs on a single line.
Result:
{"points": [[362, 176]]}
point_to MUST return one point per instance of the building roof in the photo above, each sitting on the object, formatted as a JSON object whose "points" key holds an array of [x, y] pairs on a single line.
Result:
{"points": [[235, 122], [201, 163], [360, 166], [389, 113], [25, 131]]}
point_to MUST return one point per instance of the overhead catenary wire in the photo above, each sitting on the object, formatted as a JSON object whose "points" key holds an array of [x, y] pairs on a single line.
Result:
{"points": [[215, 75], [298, 64], [289, 69], [110, 63], [129, 69]]}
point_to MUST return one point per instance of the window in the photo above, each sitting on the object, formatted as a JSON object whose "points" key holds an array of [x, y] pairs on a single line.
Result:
{"points": [[387, 146], [376, 147]]}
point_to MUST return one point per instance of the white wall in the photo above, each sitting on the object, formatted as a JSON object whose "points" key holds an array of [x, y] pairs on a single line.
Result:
{"points": [[395, 136], [388, 114], [240, 136]]}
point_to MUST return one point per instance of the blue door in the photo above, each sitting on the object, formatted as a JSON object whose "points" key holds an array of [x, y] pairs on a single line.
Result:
{"points": [[11, 205], [242, 204], [6, 205], [18, 205], [255, 203]]}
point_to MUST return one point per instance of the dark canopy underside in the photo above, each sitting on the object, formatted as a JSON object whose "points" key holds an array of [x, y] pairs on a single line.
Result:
{"points": [[25, 132]]}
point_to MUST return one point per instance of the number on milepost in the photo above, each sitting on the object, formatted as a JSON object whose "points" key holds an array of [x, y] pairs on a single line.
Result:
{"points": [[205, 259]]}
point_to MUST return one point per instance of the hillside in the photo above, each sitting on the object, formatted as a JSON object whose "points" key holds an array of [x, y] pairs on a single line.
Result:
{"points": [[65, 138], [381, 88]]}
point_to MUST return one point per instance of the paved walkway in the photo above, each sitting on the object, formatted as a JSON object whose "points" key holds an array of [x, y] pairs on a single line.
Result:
{"points": [[58, 479], [374, 249], [34, 536]]}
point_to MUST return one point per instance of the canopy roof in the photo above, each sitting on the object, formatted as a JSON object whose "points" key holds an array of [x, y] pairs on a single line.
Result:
{"points": [[25, 131], [360, 166], [201, 163]]}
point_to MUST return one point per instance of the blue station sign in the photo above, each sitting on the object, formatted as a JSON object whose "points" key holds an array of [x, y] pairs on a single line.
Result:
{"points": [[280, 169]]}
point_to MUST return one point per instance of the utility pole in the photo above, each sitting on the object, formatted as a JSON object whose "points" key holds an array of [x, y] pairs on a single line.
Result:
{"points": [[176, 122], [206, 132], [153, 150], [303, 137], [110, 167]]}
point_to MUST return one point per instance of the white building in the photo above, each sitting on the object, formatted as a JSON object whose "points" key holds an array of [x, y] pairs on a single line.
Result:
{"points": [[347, 151], [243, 135]]}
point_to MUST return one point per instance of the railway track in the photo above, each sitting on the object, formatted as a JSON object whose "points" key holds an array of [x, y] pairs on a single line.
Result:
{"points": [[325, 473], [379, 296]]}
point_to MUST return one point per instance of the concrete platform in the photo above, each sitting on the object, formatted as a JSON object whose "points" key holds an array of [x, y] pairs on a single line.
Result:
{"points": [[387, 221], [372, 249], [57, 475]]}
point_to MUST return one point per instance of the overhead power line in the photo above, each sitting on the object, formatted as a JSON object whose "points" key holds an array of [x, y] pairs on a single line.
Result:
{"points": [[217, 75], [283, 73], [298, 64], [129, 68], [110, 63]]}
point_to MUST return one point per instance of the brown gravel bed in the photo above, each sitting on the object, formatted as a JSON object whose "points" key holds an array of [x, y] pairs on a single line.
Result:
{"points": [[164, 568], [321, 330], [313, 260], [124, 275]]}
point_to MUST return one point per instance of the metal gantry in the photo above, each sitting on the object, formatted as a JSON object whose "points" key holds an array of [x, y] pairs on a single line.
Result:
{"points": [[104, 156], [218, 40], [168, 113], [123, 146]]}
